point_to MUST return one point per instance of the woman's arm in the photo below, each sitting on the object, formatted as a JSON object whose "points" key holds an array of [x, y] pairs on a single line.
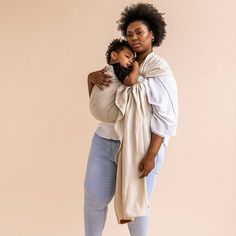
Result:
{"points": [[132, 78], [164, 119], [98, 78], [148, 161]]}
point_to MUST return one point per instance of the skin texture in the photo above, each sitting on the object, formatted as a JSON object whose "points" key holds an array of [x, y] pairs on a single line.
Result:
{"points": [[140, 39]]}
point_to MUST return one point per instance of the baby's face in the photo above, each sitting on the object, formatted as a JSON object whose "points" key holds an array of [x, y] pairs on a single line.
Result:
{"points": [[125, 57]]}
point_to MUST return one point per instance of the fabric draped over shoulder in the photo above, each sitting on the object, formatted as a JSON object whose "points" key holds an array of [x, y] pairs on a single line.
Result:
{"points": [[133, 126], [133, 129], [136, 111], [162, 95]]}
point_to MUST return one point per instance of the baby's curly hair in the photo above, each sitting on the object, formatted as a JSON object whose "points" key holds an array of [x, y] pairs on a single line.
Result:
{"points": [[116, 45], [149, 15]]}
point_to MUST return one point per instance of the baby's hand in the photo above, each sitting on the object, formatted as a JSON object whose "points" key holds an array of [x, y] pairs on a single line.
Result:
{"points": [[135, 65]]}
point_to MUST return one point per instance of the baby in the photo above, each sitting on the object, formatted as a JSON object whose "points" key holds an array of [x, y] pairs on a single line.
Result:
{"points": [[124, 70], [121, 57]]}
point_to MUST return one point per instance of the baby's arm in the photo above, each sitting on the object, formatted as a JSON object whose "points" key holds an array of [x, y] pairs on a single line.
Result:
{"points": [[132, 78]]}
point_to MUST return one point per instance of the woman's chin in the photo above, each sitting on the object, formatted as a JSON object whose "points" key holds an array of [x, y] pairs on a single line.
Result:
{"points": [[138, 50]]}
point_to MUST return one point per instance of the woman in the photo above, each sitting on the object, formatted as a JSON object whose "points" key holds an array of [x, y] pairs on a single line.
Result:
{"points": [[144, 28]]}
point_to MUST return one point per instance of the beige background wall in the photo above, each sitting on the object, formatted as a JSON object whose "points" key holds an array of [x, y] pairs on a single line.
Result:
{"points": [[47, 48]]}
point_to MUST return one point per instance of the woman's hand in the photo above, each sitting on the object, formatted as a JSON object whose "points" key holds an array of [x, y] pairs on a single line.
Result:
{"points": [[99, 78], [146, 165]]}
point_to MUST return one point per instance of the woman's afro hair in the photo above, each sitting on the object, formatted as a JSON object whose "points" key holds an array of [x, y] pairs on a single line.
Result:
{"points": [[149, 15], [116, 45]]}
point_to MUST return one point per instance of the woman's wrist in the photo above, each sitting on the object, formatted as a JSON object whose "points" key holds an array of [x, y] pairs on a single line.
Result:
{"points": [[151, 155], [156, 142]]}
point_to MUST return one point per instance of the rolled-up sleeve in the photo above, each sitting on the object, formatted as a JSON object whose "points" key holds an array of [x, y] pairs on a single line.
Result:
{"points": [[162, 96]]}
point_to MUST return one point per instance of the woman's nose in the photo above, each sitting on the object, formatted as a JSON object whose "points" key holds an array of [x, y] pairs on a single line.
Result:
{"points": [[134, 37]]}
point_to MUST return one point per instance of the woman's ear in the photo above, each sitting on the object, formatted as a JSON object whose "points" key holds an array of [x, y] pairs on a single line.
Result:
{"points": [[113, 55], [152, 35]]}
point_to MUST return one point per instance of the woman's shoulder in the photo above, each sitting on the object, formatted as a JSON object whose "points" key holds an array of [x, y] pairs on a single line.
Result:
{"points": [[162, 62], [154, 66]]}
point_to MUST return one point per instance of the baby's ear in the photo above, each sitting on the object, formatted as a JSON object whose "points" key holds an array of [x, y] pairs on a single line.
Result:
{"points": [[113, 55]]}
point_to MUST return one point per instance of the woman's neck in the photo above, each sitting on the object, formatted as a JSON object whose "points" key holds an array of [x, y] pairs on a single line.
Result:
{"points": [[141, 57]]}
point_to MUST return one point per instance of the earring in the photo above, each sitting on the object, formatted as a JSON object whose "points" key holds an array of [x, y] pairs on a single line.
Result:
{"points": [[153, 39]]}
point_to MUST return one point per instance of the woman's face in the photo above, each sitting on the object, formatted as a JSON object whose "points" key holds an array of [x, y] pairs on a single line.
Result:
{"points": [[139, 37]]}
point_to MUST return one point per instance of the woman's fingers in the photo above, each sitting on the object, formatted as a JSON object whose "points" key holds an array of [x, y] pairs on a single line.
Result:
{"points": [[99, 86], [105, 80], [144, 173], [145, 167], [142, 169], [100, 78], [106, 76], [141, 166]]}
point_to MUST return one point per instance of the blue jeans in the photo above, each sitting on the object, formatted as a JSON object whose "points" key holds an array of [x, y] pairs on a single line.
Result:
{"points": [[100, 187]]}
